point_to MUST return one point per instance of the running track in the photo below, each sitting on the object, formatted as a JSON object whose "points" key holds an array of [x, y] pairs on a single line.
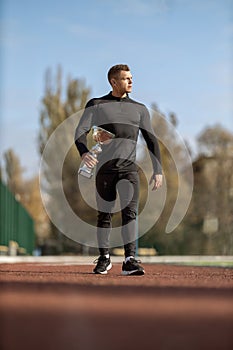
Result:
{"points": [[66, 307]]}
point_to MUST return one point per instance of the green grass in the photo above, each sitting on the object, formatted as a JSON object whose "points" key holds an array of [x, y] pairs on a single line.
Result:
{"points": [[228, 264]]}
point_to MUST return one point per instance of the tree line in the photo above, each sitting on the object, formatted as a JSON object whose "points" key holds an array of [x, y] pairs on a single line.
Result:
{"points": [[207, 227]]}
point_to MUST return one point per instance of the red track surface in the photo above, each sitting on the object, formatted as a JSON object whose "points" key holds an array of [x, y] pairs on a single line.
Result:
{"points": [[61, 307]]}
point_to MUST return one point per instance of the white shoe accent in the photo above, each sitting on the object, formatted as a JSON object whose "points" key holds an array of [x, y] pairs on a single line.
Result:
{"points": [[126, 273], [128, 258], [109, 267], [104, 272]]}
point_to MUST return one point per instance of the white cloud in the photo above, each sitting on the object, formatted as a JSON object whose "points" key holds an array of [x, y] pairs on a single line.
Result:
{"points": [[10, 37], [228, 29], [139, 7], [83, 31], [86, 31]]}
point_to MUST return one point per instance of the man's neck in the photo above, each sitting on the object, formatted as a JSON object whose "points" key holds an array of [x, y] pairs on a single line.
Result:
{"points": [[115, 94]]}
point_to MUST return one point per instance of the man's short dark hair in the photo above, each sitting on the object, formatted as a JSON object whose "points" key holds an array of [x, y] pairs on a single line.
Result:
{"points": [[115, 70]]}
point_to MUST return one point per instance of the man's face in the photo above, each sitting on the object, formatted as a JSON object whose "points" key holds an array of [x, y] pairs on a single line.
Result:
{"points": [[123, 83]]}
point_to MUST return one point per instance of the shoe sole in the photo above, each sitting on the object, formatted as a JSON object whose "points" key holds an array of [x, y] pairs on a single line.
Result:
{"points": [[104, 272], [133, 273]]}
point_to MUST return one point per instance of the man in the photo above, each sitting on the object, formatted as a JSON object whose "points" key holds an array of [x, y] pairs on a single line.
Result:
{"points": [[124, 117]]}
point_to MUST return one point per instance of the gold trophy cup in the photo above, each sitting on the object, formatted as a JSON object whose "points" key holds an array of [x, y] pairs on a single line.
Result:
{"points": [[101, 136]]}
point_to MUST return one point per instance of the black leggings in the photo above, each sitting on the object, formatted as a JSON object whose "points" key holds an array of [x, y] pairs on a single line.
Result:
{"points": [[107, 185]]}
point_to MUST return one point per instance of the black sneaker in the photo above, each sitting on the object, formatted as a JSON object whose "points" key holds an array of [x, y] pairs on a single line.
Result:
{"points": [[132, 267], [103, 264]]}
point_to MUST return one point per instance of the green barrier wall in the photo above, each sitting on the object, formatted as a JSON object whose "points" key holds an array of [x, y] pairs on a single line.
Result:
{"points": [[15, 222]]}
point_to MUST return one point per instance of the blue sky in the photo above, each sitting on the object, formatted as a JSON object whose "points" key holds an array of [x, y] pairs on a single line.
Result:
{"points": [[180, 54]]}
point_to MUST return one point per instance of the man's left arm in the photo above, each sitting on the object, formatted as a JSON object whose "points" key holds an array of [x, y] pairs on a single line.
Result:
{"points": [[153, 146]]}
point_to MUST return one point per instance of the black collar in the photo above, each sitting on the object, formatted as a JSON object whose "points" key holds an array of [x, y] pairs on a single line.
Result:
{"points": [[114, 98]]}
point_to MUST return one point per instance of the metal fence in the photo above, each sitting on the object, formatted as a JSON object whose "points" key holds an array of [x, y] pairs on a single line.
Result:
{"points": [[15, 222]]}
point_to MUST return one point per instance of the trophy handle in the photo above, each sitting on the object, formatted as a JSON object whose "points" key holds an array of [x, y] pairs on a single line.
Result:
{"points": [[101, 135]]}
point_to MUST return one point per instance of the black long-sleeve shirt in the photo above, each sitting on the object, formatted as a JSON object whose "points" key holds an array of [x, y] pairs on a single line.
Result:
{"points": [[123, 117]]}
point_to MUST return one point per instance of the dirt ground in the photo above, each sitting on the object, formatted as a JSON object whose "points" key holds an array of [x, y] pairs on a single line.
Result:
{"points": [[59, 307]]}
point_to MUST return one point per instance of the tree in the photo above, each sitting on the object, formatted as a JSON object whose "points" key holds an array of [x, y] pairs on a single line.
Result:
{"points": [[57, 107], [54, 110], [210, 215], [14, 173], [215, 141], [27, 192], [31, 200], [172, 155]]}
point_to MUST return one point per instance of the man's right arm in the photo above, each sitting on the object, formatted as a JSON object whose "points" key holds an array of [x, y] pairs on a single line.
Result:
{"points": [[84, 126]]}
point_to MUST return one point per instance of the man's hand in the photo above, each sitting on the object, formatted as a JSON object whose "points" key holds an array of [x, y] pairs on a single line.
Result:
{"points": [[158, 180], [89, 160]]}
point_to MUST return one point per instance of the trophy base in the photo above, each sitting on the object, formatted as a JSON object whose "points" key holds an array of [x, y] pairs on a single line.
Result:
{"points": [[85, 173]]}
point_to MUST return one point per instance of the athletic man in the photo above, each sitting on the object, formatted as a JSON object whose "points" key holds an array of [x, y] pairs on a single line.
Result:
{"points": [[124, 117]]}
